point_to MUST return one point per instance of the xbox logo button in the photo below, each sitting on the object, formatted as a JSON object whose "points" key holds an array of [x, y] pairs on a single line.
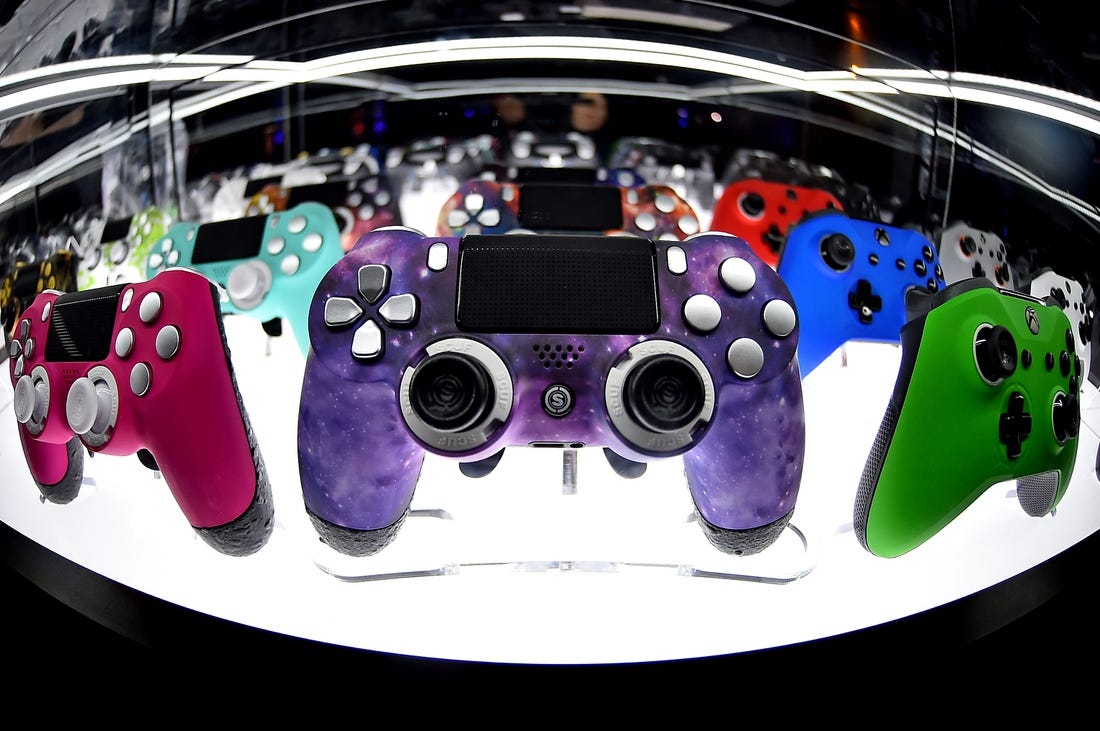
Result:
{"points": [[557, 400], [1032, 319]]}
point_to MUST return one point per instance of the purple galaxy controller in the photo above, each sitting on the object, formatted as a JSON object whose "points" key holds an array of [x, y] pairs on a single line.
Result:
{"points": [[849, 277], [136, 368], [462, 347]]}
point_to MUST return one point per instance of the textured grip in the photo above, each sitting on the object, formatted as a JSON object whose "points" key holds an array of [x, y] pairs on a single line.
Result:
{"points": [[871, 471]]}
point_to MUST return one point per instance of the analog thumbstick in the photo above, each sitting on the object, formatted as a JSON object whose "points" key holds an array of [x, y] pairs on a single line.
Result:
{"points": [[752, 204], [248, 283], [664, 393], [451, 392], [29, 400], [88, 406], [838, 251], [995, 353], [1066, 417]]}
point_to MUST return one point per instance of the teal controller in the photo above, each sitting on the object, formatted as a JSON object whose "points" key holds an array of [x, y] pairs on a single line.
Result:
{"points": [[268, 266], [986, 392]]}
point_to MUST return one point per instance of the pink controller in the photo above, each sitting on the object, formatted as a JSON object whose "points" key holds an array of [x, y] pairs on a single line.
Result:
{"points": [[142, 367]]}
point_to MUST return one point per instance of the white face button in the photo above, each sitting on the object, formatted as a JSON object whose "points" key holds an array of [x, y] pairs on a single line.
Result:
{"points": [[149, 307], [140, 379], [156, 261], [312, 242], [702, 312], [28, 349], [779, 318], [689, 225], [290, 264], [664, 203], [489, 218], [127, 298], [737, 274], [745, 357], [168, 341], [124, 342], [296, 225], [474, 202], [276, 245]]}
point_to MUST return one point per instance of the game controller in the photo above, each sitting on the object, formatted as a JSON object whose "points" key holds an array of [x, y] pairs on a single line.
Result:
{"points": [[491, 207], [762, 212], [969, 252], [27, 280], [849, 277], [1076, 302], [360, 204], [269, 266], [142, 366], [688, 171], [544, 149], [987, 391], [463, 347], [115, 250]]}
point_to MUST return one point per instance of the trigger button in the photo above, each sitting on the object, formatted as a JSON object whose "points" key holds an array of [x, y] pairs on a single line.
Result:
{"points": [[140, 379], [645, 221]]}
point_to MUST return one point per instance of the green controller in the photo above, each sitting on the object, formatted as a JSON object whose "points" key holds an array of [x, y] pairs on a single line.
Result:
{"points": [[986, 392]]}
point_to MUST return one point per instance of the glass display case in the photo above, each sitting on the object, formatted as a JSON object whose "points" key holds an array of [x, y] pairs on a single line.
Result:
{"points": [[140, 139]]}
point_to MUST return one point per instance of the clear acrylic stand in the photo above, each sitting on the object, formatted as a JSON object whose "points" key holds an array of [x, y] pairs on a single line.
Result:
{"points": [[549, 510]]}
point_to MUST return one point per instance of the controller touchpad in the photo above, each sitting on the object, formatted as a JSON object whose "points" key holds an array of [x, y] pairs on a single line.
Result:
{"points": [[547, 284]]}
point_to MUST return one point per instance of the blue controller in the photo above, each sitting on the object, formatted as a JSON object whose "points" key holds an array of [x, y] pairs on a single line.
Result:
{"points": [[848, 277], [269, 266]]}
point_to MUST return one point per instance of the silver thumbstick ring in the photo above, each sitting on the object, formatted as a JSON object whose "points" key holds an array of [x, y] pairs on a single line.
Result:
{"points": [[634, 433], [248, 284], [479, 433]]}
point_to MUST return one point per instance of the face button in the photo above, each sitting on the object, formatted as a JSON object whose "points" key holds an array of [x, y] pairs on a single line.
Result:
{"points": [[1025, 358], [149, 307], [140, 379], [873, 259], [900, 264], [702, 312], [745, 357], [290, 264], [124, 342], [367, 343], [489, 218], [168, 342], [401, 310], [1050, 361], [688, 225], [1064, 363], [276, 245], [779, 318], [664, 203], [297, 225], [737, 275], [312, 242], [645, 221], [920, 268]]}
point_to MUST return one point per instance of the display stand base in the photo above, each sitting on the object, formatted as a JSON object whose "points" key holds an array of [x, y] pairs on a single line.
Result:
{"points": [[590, 521]]}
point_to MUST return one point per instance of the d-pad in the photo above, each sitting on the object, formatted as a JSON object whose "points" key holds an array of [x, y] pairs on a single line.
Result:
{"points": [[1015, 425], [864, 301]]}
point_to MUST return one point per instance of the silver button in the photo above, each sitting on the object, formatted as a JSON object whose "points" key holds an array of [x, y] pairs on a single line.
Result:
{"points": [[737, 274], [473, 202], [457, 218], [646, 221], [374, 280], [24, 329], [140, 379], [18, 368], [124, 342], [28, 348], [367, 342], [290, 264], [365, 213], [297, 225], [341, 311], [312, 242], [745, 357], [401, 309], [149, 307], [490, 218], [702, 312], [779, 318], [173, 258], [276, 245], [168, 341], [16, 349]]}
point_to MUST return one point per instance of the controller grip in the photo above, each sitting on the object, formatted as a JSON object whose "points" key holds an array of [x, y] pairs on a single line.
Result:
{"points": [[357, 462], [744, 476], [57, 469]]}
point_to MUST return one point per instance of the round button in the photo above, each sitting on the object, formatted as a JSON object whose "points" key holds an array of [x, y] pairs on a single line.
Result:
{"points": [[557, 400], [688, 225], [451, 392], [474, 202], [779, 318], [124, 342], [737, 274], [156, 261], [290, 264], [173, 258], [645, 221], [149, 307], [296, 225], [837, 251], [140, 379], [664, 203], [745, 357], [276, 245], [17, 369], [28, 349], [168, 341], [995, 353], [312, 242], [702, 312], [127, 298]]}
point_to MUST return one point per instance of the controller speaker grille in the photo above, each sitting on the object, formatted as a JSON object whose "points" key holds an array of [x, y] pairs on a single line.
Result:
{"points": [[871, 471], [558, 355], [1036, 493]]}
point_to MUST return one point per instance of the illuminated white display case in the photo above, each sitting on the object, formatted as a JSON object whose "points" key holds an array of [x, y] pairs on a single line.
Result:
{"points": [[553, 559]]}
